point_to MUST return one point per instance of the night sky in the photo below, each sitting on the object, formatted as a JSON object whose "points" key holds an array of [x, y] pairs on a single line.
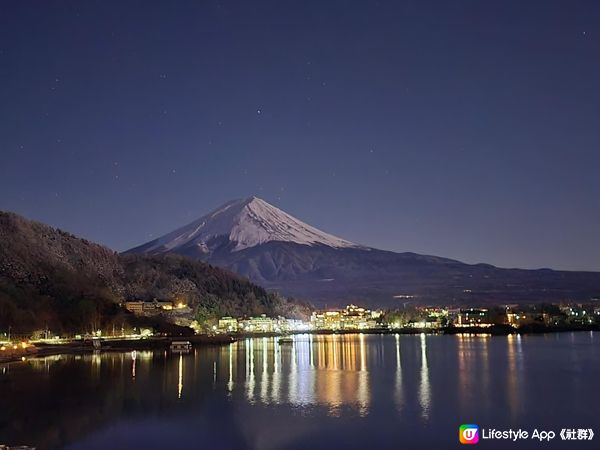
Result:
{"points": [[466, 129]]}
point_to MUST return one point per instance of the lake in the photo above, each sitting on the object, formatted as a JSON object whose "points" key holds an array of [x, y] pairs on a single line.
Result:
{"points": [[321, 392]]}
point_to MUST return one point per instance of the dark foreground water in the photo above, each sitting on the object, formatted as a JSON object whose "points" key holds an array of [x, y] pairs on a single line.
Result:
{"points": [[322, 392]]}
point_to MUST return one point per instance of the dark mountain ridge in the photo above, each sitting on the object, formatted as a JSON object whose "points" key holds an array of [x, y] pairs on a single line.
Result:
{"points": [[52, 279]]}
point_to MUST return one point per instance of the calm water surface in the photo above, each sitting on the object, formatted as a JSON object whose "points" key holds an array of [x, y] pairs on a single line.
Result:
{"points": [[322, 392]]}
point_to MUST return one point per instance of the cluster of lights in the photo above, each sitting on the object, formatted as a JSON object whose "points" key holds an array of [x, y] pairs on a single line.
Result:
{"points": [[23, 345]]}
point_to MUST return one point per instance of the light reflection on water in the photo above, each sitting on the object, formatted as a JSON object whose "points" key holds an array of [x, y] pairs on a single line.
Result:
{"points": [[512, 373], [328, 370], [398, 391], [377, 384], [424, 397]]}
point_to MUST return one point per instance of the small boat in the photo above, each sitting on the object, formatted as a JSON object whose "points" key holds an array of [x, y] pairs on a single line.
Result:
{"points": [[181, 346], [285, 340]]}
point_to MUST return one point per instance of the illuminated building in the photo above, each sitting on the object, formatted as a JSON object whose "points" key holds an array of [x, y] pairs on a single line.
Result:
{"points": [[473, 317], [577, 315], [261, 324], [351, 318], [135, 307], [228, 324], [141, 307], [518, 319], [328, 320], [281, 324], [426, 323], [429, 317]]}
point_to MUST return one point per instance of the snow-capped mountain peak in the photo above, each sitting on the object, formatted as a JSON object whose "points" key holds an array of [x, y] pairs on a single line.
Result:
{"points": [[244, 223]]}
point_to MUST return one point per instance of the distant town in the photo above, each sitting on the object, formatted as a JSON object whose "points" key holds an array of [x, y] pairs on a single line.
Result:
{"points": [[354, 318], [357, 318], [502, 319]]}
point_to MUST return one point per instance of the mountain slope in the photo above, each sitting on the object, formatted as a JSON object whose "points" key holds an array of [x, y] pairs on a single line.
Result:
{"points": [[250, 238], [240, 224], [50, 278]]}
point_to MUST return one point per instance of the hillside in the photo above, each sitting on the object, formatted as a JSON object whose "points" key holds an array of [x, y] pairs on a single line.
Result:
{"points": [[52, 279]]}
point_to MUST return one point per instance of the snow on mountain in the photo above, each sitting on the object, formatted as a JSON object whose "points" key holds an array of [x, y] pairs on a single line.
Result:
{"points": [[245, 223]]}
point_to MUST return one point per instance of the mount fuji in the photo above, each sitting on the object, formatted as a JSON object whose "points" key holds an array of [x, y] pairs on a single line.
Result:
{"points": [[239, 225], [280, 252]]}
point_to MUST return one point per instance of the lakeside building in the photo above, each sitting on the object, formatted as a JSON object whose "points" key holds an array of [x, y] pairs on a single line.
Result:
{"points": [[293, 325], [327, 320], [420, 317], [473, 317], [518, 319], [578, 315], [452, 317], [429, 318], [350, 318], [554, 320], [425, 324], [228, 324], [261, 324]]}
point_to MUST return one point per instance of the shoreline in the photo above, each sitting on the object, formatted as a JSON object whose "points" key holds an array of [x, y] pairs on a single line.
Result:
{"points": [[118, 345], [163, 343], [495, 330]]}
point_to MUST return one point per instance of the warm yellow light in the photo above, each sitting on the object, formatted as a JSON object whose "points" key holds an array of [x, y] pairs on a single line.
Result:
{"points": [[24, 344], [3, 348], [14, 347]]}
